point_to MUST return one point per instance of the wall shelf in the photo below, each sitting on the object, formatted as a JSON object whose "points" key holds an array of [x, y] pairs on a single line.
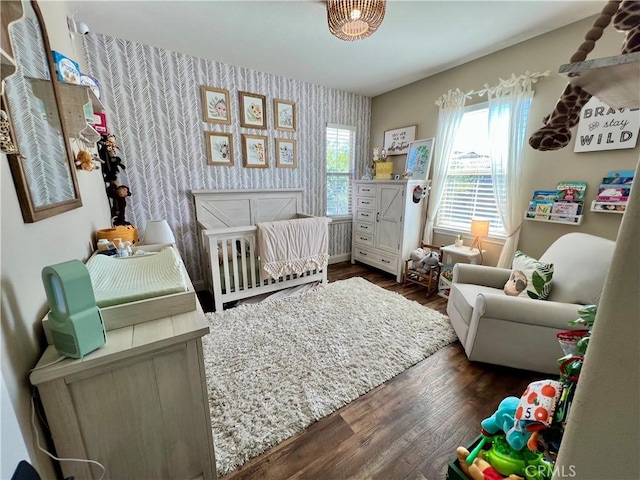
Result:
{"points": [[553, 218], [614, 80], [605, 207]]}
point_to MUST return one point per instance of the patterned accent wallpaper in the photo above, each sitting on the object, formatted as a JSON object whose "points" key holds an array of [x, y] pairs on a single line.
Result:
{"points": [[153, 105]]}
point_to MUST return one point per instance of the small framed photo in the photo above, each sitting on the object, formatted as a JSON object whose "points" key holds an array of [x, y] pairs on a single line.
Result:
{"points": [[254, 151], [215, 105], [419, 158], [284, 113], [396, 141], [286, 154], [219, 148], [252, 110]]}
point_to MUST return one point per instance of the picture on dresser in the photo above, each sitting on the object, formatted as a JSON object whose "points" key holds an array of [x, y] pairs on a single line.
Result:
{"points": [[396, 141], [419, 158]]}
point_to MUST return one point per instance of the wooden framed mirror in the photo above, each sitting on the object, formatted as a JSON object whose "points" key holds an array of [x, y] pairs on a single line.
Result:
{"points": [[43, 169]]}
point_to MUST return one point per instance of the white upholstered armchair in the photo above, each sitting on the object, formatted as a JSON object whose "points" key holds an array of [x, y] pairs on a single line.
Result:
{"points": [[521, 332]]}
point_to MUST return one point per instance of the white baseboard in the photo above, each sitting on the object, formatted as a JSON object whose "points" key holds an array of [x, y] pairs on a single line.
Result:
{"points": [[343, 257]]}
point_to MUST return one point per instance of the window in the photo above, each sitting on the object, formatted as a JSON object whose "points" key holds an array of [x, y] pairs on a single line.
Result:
{"points": [[468, 191], [341, 141]]}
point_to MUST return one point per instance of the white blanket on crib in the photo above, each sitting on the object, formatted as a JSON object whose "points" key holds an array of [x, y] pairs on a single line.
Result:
{"points": [[293, 246]]}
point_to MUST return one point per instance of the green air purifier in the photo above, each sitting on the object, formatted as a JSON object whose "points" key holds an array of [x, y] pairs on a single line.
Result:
{"points": [[75, 321]]}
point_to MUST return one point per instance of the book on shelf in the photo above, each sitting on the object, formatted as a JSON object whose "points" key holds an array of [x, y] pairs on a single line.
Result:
{"points": [[609, 206], [571, 191], [606, 199], [610, 181], [544, 195], [542, 209], [566, 211], [613, 191]]}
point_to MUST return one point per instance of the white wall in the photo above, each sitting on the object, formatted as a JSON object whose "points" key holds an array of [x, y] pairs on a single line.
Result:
{"points": [[26, 249]]}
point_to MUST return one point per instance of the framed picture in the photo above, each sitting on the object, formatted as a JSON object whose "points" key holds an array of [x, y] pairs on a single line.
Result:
{"points": [[396, 141], [419, 158], [286, 154], [284, 113], [215, 105], [252, 110], [219, 148], [254, 151]]}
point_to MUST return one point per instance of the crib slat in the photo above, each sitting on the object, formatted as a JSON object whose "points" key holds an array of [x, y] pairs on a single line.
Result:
{"points": [[234, 260], [225, 264], [252, 261]]}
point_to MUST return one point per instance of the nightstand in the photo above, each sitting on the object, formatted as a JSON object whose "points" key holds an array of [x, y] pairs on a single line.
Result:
{"points": [[464, 251]]}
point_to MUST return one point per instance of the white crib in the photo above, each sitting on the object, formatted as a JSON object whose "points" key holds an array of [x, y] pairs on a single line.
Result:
{"points": [[230, 260]]}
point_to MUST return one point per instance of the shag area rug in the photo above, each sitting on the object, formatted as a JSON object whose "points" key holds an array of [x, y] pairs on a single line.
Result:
{"points": [[273, 368]]}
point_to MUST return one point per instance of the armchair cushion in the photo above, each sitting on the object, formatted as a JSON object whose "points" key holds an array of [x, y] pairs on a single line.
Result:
{"points": [[529, 278]]}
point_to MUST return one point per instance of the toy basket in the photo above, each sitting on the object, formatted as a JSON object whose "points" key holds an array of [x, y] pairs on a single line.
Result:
{"points": [[128, 233], [384, 170]]}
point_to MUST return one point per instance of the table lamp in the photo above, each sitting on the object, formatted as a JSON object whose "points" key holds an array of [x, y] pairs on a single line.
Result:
{"points": [[158, 231], [479, 229]]}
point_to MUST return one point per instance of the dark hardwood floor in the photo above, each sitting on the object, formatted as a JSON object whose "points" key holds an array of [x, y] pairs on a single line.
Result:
{"points": [[408, 427]]}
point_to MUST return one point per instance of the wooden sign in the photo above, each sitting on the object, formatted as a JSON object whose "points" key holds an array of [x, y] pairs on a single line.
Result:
{"points": [[602, 127]]}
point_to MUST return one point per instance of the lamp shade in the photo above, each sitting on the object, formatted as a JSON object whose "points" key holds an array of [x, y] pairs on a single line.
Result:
{"points": [[158, 231], [354, 19], [479, 228]]}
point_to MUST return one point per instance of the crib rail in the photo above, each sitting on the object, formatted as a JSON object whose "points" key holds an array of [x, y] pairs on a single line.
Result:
{"points": [[234, 265]]}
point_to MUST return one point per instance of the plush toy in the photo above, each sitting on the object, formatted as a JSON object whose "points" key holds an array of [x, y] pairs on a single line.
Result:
{"points": [[119, 194], [86, 161], [415, 258], [504, 421], [555, 132]]}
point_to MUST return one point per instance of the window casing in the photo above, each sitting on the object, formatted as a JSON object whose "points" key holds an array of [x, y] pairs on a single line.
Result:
{"points": [[468, 191], [340, 168]]}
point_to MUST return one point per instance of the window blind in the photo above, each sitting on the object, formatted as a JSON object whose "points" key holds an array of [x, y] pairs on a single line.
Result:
{"points": [[340, 168]]}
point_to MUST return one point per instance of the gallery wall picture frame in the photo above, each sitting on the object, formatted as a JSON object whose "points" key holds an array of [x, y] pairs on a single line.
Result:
{"points": [[255, 150], [419, 157], [219, 148], [396, 141], [253, 108], [284, 115], [286, 153], [215, 105]]}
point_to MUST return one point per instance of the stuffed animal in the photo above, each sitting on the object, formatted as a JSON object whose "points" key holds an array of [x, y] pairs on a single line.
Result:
{"points": [[85, 161], [423, 260], [416, 257], [555, 132]]}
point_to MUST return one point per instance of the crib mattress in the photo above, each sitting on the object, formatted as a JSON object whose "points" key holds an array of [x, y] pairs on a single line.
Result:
{"points": [[122, 280]]}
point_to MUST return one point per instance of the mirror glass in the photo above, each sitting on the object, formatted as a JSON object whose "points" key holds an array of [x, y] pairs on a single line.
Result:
{"points": [[44, 170]]}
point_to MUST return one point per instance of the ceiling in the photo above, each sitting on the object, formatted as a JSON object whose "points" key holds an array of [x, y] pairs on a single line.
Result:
{"points": [[291, 38]]}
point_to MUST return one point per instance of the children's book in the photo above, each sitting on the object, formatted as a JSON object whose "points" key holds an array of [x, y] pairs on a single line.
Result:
{"points": [[571, 191], [566, 211], [543, 209], [621, 173], [544, 195], [613, 193], [609, 207], [616, 181]]}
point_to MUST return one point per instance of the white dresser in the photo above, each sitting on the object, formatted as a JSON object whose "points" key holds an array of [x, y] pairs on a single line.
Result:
{"points": [[138, 405], [387, 223]]}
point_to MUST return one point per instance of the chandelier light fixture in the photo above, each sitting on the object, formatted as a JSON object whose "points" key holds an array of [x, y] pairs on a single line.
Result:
{"points": [[354, 19]]}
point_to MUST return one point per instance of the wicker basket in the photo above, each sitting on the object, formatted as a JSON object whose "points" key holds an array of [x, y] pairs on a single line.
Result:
{"points": [[127, 233], [384, 170]]}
